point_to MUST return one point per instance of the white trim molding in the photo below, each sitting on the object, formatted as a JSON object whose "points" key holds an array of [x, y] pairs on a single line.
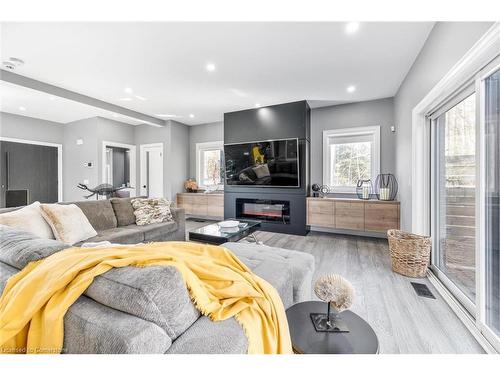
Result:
{"points": [[202, 146], [373, 131], [484, 51], [59, 159], [133, 168]]}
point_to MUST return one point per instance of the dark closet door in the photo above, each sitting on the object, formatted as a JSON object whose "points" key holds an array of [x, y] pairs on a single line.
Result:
{"points": [[31, 167]]}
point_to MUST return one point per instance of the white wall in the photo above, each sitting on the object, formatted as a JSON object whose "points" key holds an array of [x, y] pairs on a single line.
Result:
{"points": [[446, 44]]}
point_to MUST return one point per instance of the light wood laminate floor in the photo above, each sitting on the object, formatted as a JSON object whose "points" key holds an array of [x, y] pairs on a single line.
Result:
{"points": [[403, 321]]}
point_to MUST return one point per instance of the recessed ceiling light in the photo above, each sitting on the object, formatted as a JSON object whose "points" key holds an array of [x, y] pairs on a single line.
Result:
{"points": [[210, 67], [351, 88], [257, 105], [128, 90], [351, 27], [191, 115], [21, 108], [52, 97], [116, 115]]}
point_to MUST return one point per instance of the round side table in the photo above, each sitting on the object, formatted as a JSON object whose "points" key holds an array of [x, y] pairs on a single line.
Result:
{"points": [[361, 338]]}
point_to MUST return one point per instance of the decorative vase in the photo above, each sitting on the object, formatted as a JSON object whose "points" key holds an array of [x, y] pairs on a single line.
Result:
{"points": [[386, 187], [364, 189]]}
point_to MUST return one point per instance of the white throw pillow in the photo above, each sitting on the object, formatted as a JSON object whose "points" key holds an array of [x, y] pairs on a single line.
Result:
{"points": [[29, 219], [68, 222]]}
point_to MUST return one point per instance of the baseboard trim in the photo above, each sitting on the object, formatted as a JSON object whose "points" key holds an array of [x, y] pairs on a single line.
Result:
{"points": [[461, 313]]}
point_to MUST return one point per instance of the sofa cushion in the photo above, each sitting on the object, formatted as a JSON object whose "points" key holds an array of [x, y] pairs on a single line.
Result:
{"points": [[124, 211], [100, 214], [91, 328], [123, 235], [156, 232], [155, 293], [69, 224], [18, 248], [30, 219], [205, 336], [279, 275]]}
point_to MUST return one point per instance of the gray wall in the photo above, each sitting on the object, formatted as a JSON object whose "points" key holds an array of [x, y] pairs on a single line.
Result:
{"points": [[93, 132], [446, 44], [370, 113], [29, 128], [211, 132], [175, 139]]}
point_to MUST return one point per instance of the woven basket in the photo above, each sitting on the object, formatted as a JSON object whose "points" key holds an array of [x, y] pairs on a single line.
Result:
{"points": [[410, 253]]}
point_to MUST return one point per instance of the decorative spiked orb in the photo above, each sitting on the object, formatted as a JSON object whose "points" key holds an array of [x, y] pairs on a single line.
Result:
{"points": [[338, 294]]}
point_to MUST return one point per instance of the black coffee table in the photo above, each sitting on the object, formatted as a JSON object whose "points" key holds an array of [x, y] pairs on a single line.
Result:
{"points": [[215, 235], [361, 338]]}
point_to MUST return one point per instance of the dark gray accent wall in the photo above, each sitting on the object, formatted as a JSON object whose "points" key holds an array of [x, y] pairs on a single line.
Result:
{"points": [[378, 112], [446, 44]]}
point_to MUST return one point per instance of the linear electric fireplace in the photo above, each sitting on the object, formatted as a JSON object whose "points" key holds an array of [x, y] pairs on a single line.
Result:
{"points": [[263, 209]]}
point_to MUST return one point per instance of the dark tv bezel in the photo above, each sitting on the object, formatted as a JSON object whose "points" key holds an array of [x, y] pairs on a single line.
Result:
{"points": [[265, 186]]}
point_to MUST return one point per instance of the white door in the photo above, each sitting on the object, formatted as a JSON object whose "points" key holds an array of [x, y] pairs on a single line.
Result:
{"points": [[152, 170]]}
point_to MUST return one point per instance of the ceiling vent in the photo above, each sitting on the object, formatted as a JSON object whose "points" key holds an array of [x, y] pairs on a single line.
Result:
{"points": [[12, 63]]}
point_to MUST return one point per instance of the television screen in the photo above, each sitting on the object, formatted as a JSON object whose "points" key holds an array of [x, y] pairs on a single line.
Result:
{"points": [[266, 163]]}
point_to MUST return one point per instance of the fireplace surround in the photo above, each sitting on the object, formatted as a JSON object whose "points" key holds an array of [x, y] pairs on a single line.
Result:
{"points": [[269, 210]]}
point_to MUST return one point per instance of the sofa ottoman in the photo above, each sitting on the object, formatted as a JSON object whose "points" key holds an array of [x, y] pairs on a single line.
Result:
{"points": [[301, 264]]}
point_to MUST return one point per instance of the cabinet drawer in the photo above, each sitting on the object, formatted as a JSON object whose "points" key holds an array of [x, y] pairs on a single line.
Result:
{"points": [[324, 207], [321, 220], [379, 217], [350, 215], [215, 206]]}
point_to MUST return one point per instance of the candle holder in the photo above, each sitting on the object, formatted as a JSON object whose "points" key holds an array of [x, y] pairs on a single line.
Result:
{"points": [[364, 189], [386, 187]]}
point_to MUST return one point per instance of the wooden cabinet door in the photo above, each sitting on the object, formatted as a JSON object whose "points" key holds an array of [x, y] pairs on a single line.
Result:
{"points": [[349, 215], [215, 206], [320, 213], [379, 217]]}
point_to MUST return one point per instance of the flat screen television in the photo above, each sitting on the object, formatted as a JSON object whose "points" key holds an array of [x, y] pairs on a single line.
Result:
{"points": [[266, 163]]}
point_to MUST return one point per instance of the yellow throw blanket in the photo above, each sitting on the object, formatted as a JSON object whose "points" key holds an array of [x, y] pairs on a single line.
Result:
{"points": [[35, 300]]}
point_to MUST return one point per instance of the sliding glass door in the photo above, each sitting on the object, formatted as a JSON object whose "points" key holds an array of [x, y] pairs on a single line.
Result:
{"points": [[454, 159], [491, 115], [465, 198]]}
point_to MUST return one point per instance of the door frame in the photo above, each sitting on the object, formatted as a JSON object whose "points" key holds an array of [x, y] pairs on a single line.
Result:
{"points": [[133, 169], [59, 159], [143, 177]]}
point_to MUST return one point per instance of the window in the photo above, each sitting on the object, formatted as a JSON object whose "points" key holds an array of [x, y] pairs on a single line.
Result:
{"points": [[350, 155], [209, 164]]}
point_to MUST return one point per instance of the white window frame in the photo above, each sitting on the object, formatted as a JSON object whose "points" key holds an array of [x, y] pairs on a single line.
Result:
{"points": [[475, 65], [207, 146], [373, 131]]}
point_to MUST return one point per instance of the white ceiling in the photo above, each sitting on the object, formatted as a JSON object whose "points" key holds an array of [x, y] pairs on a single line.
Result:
{"points": [[266, 63], [27, 102]]}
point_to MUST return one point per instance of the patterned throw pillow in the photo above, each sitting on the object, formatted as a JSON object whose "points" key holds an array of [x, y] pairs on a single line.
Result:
{"points": [[151, 211]]}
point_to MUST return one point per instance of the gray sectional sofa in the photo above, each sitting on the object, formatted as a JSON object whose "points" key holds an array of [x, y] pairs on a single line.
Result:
{"points": [[114, 221], [148, 310]]}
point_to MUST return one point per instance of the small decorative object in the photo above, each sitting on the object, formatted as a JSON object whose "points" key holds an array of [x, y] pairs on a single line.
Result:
{"points": [[190, 185], [315, 188], [410, 253], [364, 189], [338, 293], [106, 190], [386, 187], [324, 190], [228, 224]]}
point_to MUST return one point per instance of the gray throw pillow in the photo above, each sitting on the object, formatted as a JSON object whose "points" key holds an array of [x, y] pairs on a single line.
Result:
{"points": [[124, 211]]}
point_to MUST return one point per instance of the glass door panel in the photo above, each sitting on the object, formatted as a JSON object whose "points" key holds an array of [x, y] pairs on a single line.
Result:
{"points": [[492, 196], [455, 185]]}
